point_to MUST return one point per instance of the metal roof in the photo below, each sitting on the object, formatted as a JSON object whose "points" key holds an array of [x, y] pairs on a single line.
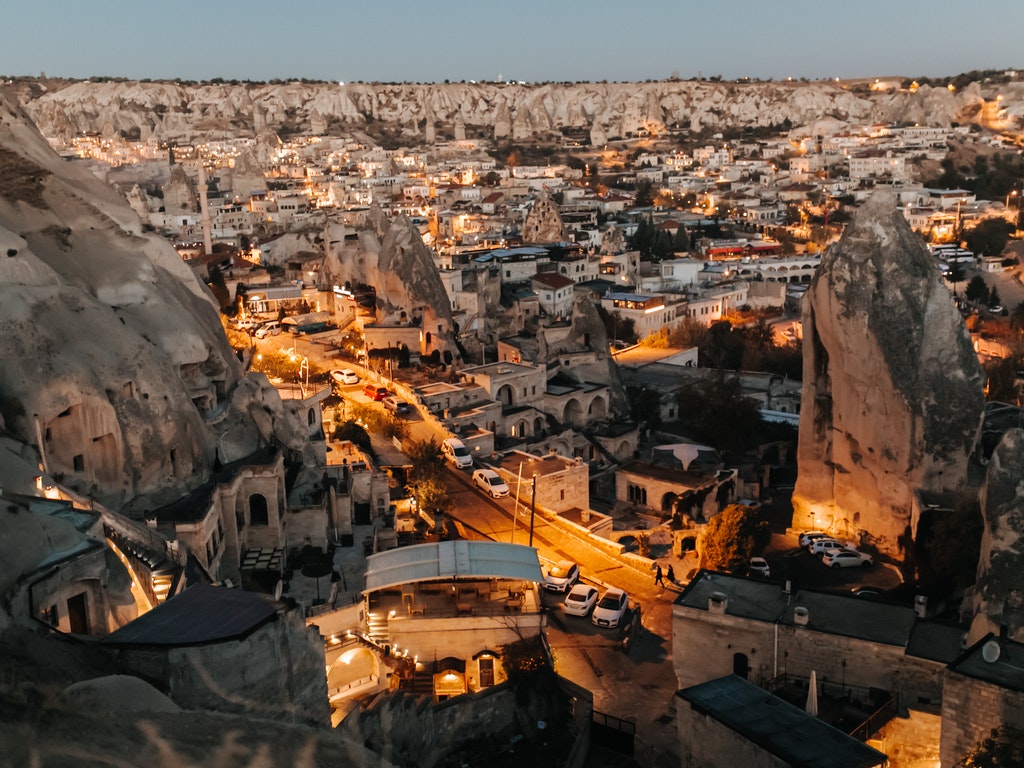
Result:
{"points": [[776, 726], [451, 560]]}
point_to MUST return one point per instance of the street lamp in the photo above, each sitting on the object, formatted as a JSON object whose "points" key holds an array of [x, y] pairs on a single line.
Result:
{"points": [[1012, 193]]}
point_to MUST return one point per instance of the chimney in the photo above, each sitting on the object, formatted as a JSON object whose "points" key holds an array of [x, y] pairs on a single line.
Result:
{"points": [[717, 602], [801, 616], [921, 606], [788, 589]]}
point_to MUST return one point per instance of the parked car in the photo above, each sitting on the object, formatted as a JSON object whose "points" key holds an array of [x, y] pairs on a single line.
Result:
{"points": [[375, 392], [820, 546], [456, 452], [345, 376], [610, 608], [580, 600], [808, 536], [759, 567], [561, 576], [866, 593], [846, 558], [490, 481], [273, 328], [396, 405]]}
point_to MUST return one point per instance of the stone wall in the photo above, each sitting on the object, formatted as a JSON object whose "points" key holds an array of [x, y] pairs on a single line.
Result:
{"points": [[709, 744], [970, 710], [276, 672]]}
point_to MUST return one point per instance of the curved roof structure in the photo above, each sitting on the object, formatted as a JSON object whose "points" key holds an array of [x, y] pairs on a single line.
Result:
{"points": [[451, 560]]}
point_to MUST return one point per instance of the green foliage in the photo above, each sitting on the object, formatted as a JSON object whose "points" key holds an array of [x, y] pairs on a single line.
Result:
{"points": [[355, 434], [956, 274], [652, 243], [218, 286], [427, 480], [616, 327], [644, 405], [380, 423], [732, 537], [977, 290], [993, 297], [717, 412], [1001, 375], [1003, 748], [989, 237]]}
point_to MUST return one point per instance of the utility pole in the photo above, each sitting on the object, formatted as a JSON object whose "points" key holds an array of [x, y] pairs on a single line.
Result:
{"points": [[533, 507]]}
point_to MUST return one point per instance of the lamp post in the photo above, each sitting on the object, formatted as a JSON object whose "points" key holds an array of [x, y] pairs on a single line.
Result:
{"points": [[533, 507]]}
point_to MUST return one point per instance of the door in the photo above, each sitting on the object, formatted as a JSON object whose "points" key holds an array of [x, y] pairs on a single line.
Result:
{"points": [[486, 673], [78, 614], [740, 665]]}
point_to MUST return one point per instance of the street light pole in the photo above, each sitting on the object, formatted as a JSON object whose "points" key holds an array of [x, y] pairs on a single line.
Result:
{"points": [[533, 507]]}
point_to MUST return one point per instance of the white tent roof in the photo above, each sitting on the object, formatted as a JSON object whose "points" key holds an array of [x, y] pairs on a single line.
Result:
{"points": [[451, 560]]}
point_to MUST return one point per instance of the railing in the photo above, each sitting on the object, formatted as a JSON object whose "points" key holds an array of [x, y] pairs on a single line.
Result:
{"points": [[875, 721]]}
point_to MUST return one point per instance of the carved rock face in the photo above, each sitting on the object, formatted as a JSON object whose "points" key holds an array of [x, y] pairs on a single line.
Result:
{"points": [[999, 590], [543, 223], [892, 393], [113, 361]]}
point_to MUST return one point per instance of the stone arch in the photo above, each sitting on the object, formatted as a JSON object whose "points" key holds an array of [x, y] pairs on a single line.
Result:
{"points": [[538, 425], [310, 417], [624, 450], [259, 513], [351, 666], [668, 502], [573, 412], [598, 408], [506, 395]]}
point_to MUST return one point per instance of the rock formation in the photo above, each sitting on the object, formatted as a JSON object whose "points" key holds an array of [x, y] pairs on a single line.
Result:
{"points": [[892, 391], [113, 361], [391, 256], [180, 192], [544, 223], [168, 111], [998, 599]]}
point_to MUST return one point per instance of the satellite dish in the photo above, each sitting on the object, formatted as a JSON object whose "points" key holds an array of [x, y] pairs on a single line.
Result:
{"points": [[278, 588], [990, 651]]}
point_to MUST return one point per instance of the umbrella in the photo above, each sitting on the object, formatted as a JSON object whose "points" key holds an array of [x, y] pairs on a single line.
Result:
{"points": [[812, 695]]}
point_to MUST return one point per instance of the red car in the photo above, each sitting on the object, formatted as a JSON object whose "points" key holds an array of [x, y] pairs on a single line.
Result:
{"points": [[374, 392]]}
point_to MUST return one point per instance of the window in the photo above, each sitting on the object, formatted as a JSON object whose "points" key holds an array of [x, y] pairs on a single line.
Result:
{"points": [[79, 463]]}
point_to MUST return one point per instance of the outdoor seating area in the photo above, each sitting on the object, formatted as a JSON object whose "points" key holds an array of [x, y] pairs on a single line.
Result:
{"points": [[442, 599]]}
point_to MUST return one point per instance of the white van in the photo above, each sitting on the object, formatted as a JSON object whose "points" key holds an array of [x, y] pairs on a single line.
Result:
{"points": [[457, 453], [273, 328]]}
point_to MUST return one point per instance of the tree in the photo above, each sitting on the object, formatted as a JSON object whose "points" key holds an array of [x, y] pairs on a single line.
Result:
{"points": [[989, 237], [977, 290], [993, 297], [644, 194], [1004, 748], [732, 537], [716, 411], [427, 478], [218, 286], [681, 241], [956, 274]]}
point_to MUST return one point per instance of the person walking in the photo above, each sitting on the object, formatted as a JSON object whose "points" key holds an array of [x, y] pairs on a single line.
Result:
{"points": [[658, 578], [671, 574]]}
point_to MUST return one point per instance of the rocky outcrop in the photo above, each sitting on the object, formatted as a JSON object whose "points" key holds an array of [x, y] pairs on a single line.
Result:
{"points": [[114, 361], [998, 598], [174, 111], [544, 223], [892, 391], [391, 256]]}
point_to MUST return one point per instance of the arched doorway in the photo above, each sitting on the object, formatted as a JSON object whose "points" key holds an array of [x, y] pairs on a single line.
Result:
{"points": [[740, 665], [573, 413], [505, 395], [258, 514], [598, 408]]}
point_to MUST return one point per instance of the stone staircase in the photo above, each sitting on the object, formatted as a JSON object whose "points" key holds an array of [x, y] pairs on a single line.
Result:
{"points": [[377, 628]]}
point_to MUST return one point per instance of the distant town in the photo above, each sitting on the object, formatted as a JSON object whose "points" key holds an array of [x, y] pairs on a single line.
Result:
{"points": [[556, 433]]}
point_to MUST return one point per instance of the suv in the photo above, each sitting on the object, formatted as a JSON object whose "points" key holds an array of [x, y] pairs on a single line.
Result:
{"points": [[396, 406], [457, 453], [375, 391]]}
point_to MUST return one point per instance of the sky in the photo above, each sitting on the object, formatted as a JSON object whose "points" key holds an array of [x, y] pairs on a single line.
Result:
{"points": [[529, 40]]}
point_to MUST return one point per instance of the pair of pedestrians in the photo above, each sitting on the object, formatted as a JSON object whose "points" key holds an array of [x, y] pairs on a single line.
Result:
{"points": [[659, 575]]}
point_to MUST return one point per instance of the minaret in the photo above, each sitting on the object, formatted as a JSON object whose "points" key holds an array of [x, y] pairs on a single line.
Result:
{"points": [[204, 207]]}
